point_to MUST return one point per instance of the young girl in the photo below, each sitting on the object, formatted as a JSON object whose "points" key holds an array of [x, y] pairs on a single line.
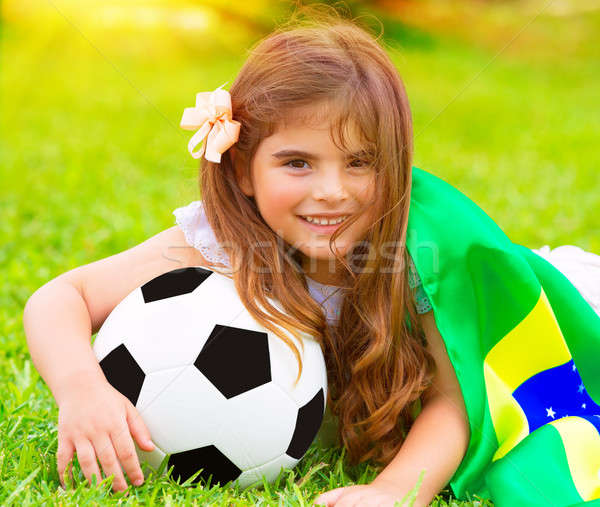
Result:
{"points": [[315, 128]]}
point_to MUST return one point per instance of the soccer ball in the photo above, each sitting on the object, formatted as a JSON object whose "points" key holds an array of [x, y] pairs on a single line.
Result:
{"points": [[215, 388]]}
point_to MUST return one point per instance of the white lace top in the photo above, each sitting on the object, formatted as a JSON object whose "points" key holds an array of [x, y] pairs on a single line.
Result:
{"points": [[199, 234]]}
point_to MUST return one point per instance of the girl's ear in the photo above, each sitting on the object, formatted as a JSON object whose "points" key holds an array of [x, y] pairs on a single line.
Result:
{"points": [[241, 175]]}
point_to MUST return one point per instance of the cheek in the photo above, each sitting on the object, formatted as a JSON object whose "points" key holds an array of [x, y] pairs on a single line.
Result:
{"points": [[364, 194], [279, 195], [363, 190]]}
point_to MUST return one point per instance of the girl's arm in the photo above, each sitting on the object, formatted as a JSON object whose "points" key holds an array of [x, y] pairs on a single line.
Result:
{"points": [[438, 439], [59, 318], [436, 442]]}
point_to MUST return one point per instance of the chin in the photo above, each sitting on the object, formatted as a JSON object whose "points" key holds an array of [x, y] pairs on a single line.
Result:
{"points": [[324, 253]]}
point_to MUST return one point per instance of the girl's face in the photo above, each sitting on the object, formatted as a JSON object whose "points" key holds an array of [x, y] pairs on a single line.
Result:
{"points": [[287, 185]]}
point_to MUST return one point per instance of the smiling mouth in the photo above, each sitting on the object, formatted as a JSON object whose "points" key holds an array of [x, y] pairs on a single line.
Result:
{"points": [[323, 229]]}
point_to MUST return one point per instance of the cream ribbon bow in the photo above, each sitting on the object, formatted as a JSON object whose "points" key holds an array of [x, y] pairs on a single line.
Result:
{"points": [[212, 116]]}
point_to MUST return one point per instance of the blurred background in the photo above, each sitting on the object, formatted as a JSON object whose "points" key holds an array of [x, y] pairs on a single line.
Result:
{"points": [[505, 97]]}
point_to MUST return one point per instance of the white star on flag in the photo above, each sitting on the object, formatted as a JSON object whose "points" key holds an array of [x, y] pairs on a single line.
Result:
{"points": [[550, 412]]}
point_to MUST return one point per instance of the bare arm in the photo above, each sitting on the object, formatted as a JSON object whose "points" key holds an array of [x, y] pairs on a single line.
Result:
{"points": [[58, 331], [438, 439], [436, 442], [59, 319]]}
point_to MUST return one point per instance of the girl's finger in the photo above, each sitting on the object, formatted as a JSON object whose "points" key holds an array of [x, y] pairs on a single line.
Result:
{"points": [[125, 449], [87, 460], [330, 498], [110, 464], [138, 429], [64, 459]]}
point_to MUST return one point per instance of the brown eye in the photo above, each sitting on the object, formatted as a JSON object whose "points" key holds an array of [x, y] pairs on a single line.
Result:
{"points": [[292, 161], [363, 164]]}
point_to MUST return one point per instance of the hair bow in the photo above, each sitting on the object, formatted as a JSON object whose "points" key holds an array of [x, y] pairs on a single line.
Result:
{"points": [[212, 116]]}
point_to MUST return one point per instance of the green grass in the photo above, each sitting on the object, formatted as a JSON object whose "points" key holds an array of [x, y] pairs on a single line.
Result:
{"points": [[93, 162]]}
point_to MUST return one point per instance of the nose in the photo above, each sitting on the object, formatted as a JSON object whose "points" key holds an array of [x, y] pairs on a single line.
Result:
{"points": [[330, 186]]}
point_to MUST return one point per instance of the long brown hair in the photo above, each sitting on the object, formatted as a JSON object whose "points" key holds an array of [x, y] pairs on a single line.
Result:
{"points": [[376, 360]]}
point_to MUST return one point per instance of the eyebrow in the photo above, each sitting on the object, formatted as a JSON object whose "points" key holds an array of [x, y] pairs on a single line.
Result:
{"points": [[300, 153]]}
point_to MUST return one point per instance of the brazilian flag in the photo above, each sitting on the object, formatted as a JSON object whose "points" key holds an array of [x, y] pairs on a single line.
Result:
{"points": [[525, 346]]}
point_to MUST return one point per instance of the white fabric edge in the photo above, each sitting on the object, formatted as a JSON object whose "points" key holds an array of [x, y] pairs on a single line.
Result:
{"points": [[580, 267]]}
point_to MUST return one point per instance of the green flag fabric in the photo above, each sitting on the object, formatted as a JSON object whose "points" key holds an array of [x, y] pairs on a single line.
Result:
{"points": [[525, 346]]}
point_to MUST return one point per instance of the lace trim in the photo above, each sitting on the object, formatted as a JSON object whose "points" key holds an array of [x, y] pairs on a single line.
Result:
{"points": [[199, 233], [422, 303]]}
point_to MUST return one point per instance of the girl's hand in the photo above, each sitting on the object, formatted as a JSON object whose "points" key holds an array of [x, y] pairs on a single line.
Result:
{"points": [[95, 420], [375, 494]]}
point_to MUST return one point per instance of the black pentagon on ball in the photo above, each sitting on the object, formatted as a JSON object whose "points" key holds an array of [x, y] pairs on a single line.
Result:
{"points": [[235, 360], [308, 422], [123, 373], [174, 283], [209, 459]]}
